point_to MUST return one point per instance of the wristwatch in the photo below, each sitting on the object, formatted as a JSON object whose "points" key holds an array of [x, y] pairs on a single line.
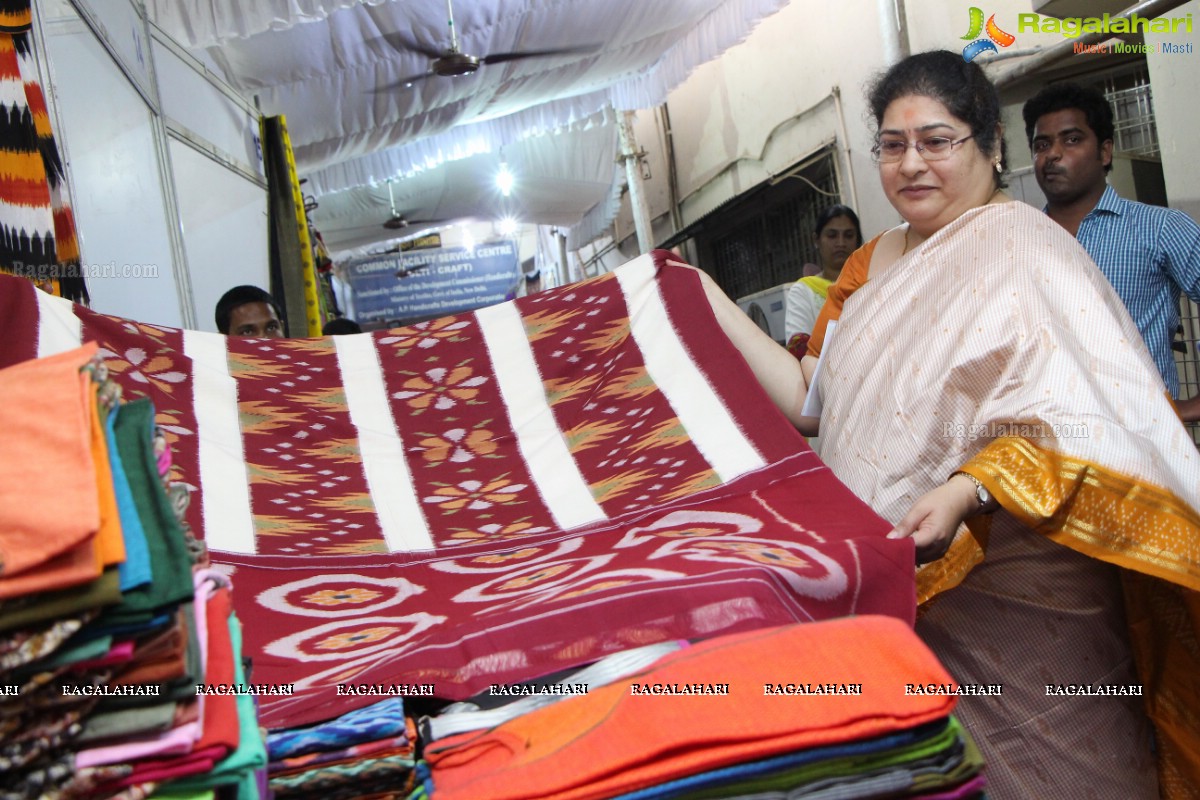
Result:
{"points": [[981, 493]]}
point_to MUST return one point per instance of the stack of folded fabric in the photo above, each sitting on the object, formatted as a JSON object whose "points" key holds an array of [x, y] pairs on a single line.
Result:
{"points": [[821, 710], [504, 702], [366, 752], [110, 616]]}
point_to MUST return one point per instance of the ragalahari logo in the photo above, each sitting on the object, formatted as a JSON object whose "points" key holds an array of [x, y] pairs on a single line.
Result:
{"points": [[995, 36]]}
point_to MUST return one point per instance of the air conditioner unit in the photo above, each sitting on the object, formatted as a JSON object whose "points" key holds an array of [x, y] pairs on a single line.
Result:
{"points": [[767, 308]]}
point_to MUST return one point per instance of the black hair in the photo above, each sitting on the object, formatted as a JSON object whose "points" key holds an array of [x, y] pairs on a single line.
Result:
{"points": [[240, 296], [833, 212], [961, 86], [1066, 96], [339, 326]]}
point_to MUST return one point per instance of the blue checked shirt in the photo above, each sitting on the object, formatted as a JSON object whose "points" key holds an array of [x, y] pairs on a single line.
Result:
{"points": [[1149, 254]]}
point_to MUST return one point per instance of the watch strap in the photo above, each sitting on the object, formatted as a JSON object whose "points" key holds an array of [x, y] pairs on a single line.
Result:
{"points": [[981, 492]]}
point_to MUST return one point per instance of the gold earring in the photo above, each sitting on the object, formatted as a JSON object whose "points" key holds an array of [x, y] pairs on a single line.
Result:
{"points": [[999, 168]]}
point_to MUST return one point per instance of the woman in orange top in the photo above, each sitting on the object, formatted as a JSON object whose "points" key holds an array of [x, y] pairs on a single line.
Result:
{"points": [[853, 275], [838, 235]]}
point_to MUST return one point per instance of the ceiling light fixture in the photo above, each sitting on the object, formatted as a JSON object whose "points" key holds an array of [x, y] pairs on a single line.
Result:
{"points": [[505, 178], [508, 226]]}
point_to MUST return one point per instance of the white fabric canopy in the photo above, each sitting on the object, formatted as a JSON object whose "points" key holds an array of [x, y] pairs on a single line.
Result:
{"points": [[323, 64], [558, 175]]}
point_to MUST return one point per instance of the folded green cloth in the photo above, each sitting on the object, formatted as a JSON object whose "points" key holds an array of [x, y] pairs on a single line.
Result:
{"points": [[935, 760], [127, 722], [170, 559], [33, 609]]}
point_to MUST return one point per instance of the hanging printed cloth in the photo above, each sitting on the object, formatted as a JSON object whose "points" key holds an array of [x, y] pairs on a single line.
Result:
{"points": [[37, 228]]}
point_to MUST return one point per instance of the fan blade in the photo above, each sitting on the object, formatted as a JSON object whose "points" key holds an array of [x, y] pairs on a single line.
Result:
{"points": [[500, 58], [403, 83], [402, 44], [399, 221]]}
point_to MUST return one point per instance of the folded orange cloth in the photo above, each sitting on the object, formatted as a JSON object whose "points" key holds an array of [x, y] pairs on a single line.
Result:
{"points": [[48, 501], [618, 739], [74, 567], [110, 541]]}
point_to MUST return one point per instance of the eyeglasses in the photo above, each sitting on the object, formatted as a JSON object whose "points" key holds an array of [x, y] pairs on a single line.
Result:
{"points": [[931, 148]]}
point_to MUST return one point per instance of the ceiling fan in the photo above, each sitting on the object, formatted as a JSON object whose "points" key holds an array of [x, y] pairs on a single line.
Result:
{"points": [[398, 221], [453, 62]]}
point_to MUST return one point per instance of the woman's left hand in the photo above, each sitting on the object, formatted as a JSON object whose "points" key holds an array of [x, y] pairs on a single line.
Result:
{"points": [[934, 518]]}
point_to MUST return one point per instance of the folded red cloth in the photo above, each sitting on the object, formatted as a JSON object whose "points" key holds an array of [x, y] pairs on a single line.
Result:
{"points": [[220, 710]]}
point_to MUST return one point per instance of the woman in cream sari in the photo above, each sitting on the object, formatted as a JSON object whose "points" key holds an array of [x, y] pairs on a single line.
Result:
{"points": [[987, 393]]}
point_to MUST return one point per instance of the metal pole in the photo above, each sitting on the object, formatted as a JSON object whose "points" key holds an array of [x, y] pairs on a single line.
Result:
{"points": [[564, 272], [637, 195], [902, 28], [889, 31], [664, 117], [844, 140]]}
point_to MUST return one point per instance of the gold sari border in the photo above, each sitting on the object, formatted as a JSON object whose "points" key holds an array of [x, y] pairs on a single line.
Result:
{"points": [[1092, 509]]}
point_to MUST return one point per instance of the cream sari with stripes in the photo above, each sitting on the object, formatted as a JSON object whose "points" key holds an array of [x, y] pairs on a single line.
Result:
{"points": [[997, 347]]}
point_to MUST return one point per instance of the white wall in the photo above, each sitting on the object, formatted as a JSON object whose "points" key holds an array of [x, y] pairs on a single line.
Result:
{"points": [[106, 131], [162, 162], [766, 105], [1173, 81]]}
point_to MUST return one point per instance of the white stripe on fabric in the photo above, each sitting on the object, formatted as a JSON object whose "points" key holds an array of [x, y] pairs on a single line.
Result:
{"points": [[705, 418], [228, 521], [542, 444], [33, 220], [389, 480], [58, 330]]}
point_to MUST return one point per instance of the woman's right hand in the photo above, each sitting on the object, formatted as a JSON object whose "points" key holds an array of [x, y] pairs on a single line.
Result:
{"points": [[934, 518]]}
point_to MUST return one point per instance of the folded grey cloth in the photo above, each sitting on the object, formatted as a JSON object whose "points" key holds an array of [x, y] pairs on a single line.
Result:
{"points": [[526, 697]]}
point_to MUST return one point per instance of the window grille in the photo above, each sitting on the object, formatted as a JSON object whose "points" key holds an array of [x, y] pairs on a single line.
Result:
{"points": [[1134, 131], [769, 237]]}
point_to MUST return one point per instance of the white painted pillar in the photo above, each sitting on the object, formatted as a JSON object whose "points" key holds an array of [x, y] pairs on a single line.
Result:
{"points": [[633, 174], [564, 269]]}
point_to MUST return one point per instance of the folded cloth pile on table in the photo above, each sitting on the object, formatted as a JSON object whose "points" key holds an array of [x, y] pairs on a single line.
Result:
{"points": [[111, 618], [826, 709]]}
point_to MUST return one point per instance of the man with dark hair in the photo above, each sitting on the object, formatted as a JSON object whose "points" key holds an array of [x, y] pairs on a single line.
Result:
{"points": [[249, 311], [340, 327], [1148, 253]]}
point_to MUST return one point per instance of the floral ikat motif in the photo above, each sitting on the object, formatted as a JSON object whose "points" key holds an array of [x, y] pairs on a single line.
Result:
{"points": [[599, 437], [492, 496]]}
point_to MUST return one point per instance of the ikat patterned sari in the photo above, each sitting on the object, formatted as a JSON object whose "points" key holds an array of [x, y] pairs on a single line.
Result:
{"points": [[494, 496]]}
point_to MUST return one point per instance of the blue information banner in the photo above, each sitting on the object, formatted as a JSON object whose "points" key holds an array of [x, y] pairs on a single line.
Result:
{"points": [[422, 284]]}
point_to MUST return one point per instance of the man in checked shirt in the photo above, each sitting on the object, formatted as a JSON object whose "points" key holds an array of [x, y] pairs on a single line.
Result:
{"points": [[1148, 253]]}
